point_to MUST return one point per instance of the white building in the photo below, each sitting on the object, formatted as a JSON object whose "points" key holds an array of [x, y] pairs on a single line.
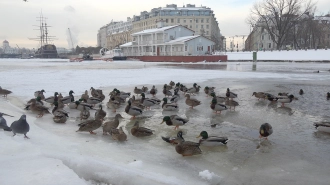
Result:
{"points": [[174, 40], [7, 49]]}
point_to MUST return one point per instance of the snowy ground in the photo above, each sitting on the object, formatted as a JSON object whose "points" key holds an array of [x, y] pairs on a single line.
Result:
{"points": [[295, 153], [291, 55]]}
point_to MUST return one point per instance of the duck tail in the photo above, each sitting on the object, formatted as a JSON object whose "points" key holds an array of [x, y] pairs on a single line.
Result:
{"points": [[7, 129], [167, 139]]}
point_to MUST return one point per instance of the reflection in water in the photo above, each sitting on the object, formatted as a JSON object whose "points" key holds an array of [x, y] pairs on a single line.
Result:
{"points": [[197, 66], [254, 66], [285, 110]]}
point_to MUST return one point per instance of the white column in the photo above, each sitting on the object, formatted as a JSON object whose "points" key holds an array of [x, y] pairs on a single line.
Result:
{"points": [[171, 50]]}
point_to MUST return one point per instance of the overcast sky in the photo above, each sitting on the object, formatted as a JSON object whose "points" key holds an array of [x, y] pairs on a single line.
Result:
{"points": [[85, 17]]}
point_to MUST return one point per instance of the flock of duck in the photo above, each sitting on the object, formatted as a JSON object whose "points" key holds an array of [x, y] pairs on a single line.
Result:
{"points": [[135, 107]]}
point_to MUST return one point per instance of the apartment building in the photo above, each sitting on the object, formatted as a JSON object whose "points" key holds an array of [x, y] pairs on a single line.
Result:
{"points": [[199, 19]]}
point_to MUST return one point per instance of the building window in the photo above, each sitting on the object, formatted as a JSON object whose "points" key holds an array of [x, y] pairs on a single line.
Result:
{"points": [[196, 26], [166, 20], [196, 20], [172, 20], [262, 37], [190, 20], [262, 45], [178, 21], [202, 20], [207, 26], [329, 36], [190, 26], [270, 45], [207, 32], [184, 21], [207, 20], [185, 48], [202, 26]]}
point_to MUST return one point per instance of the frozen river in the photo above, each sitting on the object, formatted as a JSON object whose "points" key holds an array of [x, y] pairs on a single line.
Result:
{"points": [[294, 154]]}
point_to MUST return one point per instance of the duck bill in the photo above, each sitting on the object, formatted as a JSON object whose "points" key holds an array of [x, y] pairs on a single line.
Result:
{"points": [[199, 136], [162, 122]]}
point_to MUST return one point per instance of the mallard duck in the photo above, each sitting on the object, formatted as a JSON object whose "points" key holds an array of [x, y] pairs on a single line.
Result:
{"points": [[322, 126], [209, 90], [82, 106], [40, 94], [174, 120], [283, 94], [166, 92], [174, 140], [259, 95], [231, 103], [68, 99], [198, 88], [328, 95], [136, 103], [169, 106], [153, 91], [192, 102], [60, 116], [93, 100], [38, 101], [85, 96], [118, 98], [217, 106], [138, 131], [51, 99], [193, 89], [100, 113], [187, 148], [230, 94], [137, 91], [220, 99], [301, 92], [148, 102], [113, 104], [176, 96], [265, 130], [123, 95], [4, 92], [183, 88], [270, 97], [172, 83], [144, 89], [96, 92], [118, 134], [107, 126], [89, 126], [39, 109], [207, 140], [167, 87], [84, 114], [284, 99], [132, 110]]}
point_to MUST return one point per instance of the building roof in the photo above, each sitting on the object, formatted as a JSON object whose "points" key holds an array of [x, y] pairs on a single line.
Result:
{"points": [[5, 41], [181, 40], [155, 30], [126, 44]]}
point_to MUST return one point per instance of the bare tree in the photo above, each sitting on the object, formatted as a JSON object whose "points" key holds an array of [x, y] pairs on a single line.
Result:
{"points": [[279, 17]]}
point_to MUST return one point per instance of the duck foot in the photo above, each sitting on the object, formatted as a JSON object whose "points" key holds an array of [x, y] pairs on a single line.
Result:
{"points": [[26, 137], [91, 132]]}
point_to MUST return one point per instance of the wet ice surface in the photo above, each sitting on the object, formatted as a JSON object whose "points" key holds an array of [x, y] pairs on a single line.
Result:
{"points": [[294, 154]]}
